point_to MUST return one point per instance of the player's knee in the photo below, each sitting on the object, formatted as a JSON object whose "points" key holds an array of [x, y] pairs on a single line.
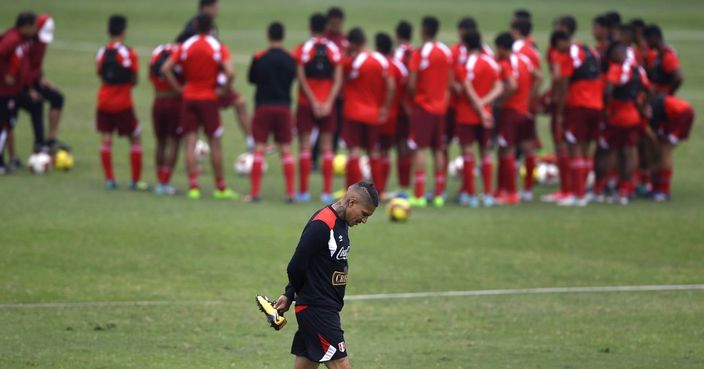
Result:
{"points": [[57, 100]]}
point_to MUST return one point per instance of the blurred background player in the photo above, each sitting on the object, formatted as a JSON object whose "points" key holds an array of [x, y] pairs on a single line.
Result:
{"points": [[368, 93], [227, 94], [521, 82], [14, 43], [625, 83], [404, 156], [527, 136], [319, 74], [482, 85], [166, 119], [272, 71], [117, 68], [672, 119], [429, 83], [389, 136], [663, 64], [202, 58]]}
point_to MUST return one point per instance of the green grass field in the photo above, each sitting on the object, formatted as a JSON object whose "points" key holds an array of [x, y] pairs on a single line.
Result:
{"points": [[64, 239]]}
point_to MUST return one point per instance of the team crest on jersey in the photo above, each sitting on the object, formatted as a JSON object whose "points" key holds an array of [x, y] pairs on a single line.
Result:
{"points": [[339, 278], [341, 346]]}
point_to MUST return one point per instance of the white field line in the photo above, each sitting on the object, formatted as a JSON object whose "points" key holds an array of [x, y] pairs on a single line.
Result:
{"points": [[382, 296]]}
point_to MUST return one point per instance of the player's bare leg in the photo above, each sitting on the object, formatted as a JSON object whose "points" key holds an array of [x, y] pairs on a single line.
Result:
{"points": [[192, 165], [468, 192], [106, 160], [487, 175], [221, 190], [54, 120], [353, 173], [244, 120], [305, 166], [626, 169], [508, 194], [663, 171], [528, 150], [343, 363], [303, 363], [136, 163]]}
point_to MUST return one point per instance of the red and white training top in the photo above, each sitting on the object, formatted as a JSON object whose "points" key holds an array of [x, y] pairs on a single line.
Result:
{"points": [[201, 58], [365, 86]]}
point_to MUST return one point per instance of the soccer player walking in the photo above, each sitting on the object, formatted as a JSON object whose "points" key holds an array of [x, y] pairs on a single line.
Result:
{"points": [[317, 275], [202, 58], [117, 69], [272, 71]]}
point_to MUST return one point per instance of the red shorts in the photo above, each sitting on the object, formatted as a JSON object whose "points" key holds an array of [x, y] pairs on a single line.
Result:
{"points": [[509, 121], [527, 131], [427, 130], [403, 127], [358, 134], [387, 141], [274, 119], [166, 117], [677, 129], [470, 133], [229, 99], [581, 124], [617, 137], [305, 121], [124, 122], [205, 113]]}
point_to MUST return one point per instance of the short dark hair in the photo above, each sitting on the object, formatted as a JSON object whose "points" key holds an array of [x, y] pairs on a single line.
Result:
{"points": [[383, 43], [523, 26], [336, 12], [614, 17], [472, 40], [203, 3], [204, 23], [356, 36], [652, 30], [430, 25], [602, 20], [637, 23], [557, 36], [25, 19], [504, 40], [612, 48], [275, 31], [404, 30], [522, 14], [628, 29], [467, 23], [570, 23], [318, 22], [117, 24], [371, 191]]}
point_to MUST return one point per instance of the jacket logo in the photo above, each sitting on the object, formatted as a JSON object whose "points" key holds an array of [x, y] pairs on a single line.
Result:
{"points": [[344, 253], [341, 346], [339, 278]]}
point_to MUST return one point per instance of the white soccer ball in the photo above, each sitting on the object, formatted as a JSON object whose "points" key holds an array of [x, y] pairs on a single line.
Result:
{"points": [[547, 173], [454, 167], [39, 163], [244, 162], [365, 167], [202, 150]]}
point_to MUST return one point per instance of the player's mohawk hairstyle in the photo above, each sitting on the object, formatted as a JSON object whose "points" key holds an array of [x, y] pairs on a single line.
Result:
{"points": [[371, 192]]}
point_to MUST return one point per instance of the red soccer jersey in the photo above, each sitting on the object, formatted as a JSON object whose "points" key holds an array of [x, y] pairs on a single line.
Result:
{"points": [[527, 48], [520, 68], [675, 106], [459, 58], [483, 72], [582, 93], [661, 64], [9, 42], [432, 63], [399, 73], [159, 82], [117, 97], [624, 111], [365, 86], [403, 53], [201, 58], [305, 54], [338, 39]]}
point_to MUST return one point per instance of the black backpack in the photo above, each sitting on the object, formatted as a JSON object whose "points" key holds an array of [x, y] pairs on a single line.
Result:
{"points": [[112, 71], [155, 70], [629, 91], [320, 66], [589, 70]]}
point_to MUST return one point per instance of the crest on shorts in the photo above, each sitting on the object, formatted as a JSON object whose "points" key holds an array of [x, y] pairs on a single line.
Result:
{"points": [[341, 346]]}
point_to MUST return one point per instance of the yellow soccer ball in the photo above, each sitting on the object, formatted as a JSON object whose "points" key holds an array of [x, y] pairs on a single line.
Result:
{"points": [[398, 210], [63, 160], [339, 164]]}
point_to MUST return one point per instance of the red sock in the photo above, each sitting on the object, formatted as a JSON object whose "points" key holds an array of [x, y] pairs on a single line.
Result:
{"points": [[403, 163], [375, 165], [166, 176], [327, 171], [289, 173], [501, 176], [487, 172], [304, 167], [468, 175], [419, 183], [385, 165], [440, 179], [510, 173], [644, 177], [530, 172], [106, 160], [136, 162], [255, 176], [576, 173], [624, 187], [665, 181], [353, 172], [220, 183], [563, 165], [193, 179]]}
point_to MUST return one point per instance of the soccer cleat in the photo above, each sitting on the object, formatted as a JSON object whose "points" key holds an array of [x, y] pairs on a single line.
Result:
{"points": [[110, 184], [488, 201], [251, 199], [303, 197], [165, 190], [276, 320], [509, 199], [466, 199], [326, 198], [660, 196], [438, 201], [226, 194], [554, 197], [418, 202], [194, 194], [139, 186], [526, 196]]}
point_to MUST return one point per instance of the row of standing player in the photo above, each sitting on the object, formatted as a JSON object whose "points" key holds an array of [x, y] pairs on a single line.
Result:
{"points": [[24, 86]]}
